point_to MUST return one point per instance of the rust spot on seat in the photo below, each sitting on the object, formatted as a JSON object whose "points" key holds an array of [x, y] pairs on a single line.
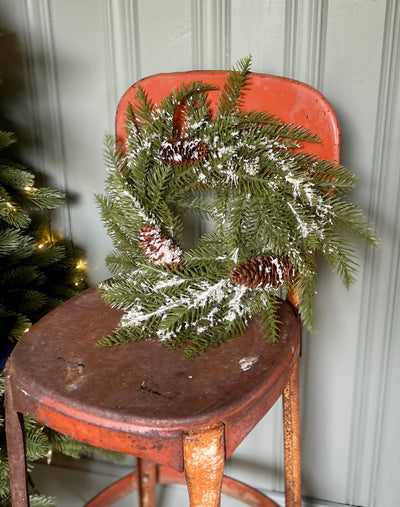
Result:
{"points": [[153, 391], [74, 373]]}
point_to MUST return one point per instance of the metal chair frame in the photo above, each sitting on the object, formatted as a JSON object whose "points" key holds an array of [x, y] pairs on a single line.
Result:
{"points": [[180, 431]]}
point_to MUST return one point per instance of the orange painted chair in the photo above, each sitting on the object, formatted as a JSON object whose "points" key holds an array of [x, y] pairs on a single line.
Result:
{"points": [[181, 418]]}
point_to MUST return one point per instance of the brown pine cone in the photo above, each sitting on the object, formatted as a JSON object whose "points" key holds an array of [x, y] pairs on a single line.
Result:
{"points": [[182, 151], [263, 272], [157, 247]]}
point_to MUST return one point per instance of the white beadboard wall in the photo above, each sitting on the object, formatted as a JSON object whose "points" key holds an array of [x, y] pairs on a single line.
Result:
{"points": [[64, 64]]}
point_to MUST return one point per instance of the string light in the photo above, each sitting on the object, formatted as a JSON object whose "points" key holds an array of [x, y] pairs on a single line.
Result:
{"points": [[81, 264], [46, 239], [28, 188], [49, 454]]}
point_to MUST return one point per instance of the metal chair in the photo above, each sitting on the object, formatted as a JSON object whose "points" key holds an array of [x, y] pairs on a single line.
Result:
{"points": [[181, 418]]}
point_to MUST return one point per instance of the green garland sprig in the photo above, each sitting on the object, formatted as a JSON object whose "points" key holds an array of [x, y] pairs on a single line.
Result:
{"points": [[271, 207]]}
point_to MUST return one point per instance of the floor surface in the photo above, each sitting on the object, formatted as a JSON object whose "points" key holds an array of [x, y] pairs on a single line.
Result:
{"points": [[74, 483], [72, 488]]}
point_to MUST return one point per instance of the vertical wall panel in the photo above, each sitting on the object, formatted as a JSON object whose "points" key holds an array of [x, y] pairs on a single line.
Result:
{"points": [[258, 30], [122, 49], [211, 34], [44, 149], [305, 40], [82, 78], [380, 283], [351, 77], [387, 443], [165, 40]]}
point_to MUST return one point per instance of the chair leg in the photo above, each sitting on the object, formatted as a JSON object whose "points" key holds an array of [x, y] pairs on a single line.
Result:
{"points": [[15, 432], [147, 481], [204, 456], [291, 437]]}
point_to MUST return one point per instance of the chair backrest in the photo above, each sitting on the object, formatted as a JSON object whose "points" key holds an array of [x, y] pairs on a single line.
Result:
{"points": [[292, 101]]}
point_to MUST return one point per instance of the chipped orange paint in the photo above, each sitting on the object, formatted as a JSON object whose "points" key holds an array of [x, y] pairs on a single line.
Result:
{"points": [[147, 473], [121, 438], [204, 465], [291, 439]]}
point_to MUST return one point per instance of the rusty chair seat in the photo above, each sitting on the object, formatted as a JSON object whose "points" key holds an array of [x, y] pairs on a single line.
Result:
{"points": [[141, 399]]}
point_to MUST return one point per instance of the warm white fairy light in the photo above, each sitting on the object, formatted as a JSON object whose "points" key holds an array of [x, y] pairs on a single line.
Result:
{"points": [[47, 239], [81, 264]]}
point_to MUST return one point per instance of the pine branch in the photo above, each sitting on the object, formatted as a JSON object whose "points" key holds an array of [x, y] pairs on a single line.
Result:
{"points": [[11, 212], [291, 132], [352, 219], [268, 315], [6, 139], [15, 175], [143, 106], [183, 94], [341, 257], [13, 242], [306, 289], [235, 84]]}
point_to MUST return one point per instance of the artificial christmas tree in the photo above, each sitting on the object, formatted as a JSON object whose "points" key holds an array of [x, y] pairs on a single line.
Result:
{"points": [[38, 270]]}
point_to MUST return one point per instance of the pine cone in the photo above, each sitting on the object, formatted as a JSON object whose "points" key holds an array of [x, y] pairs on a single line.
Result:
{"points": [[182, 151], [157, 247], [263, 272]]}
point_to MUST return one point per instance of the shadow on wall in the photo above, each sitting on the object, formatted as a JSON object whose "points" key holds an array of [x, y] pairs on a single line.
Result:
{"points": [[12, 86]]}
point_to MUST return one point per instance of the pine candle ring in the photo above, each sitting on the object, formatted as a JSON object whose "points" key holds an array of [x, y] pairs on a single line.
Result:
{"points": [[271, 206]]}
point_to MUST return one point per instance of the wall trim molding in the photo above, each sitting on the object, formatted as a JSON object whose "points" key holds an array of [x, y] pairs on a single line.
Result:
{"points": [[211, 34], [290, 46], [38, 28], [122, 49], [317, 42], [305, 40]]}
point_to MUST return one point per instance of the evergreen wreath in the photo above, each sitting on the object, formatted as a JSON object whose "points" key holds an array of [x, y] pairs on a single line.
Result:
{"points": [[272, 208]]}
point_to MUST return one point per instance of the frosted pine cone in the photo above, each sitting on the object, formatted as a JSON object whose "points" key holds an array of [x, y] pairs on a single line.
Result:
{"points": [[157, 247], [184, 151], [263, 272]]}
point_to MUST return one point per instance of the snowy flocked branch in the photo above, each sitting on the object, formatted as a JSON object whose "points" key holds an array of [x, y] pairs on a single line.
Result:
{"points": [[266, 200]]}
